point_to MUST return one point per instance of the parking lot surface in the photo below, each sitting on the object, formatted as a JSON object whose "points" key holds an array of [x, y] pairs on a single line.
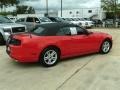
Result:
{"points": [[91, 72]]}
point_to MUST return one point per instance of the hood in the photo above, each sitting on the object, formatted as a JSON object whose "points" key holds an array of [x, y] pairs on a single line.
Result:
{"points": [[10, 25]]}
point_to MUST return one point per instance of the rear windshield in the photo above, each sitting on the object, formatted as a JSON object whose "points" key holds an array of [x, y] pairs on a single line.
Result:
{"points": [[42, 31]]}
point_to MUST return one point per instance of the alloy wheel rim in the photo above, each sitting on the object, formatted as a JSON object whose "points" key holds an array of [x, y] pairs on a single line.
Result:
{"points": [[50, 57], [106, 46]]}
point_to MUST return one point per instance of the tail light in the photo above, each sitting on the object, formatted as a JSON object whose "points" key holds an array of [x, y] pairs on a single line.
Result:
{"points": [[15, 42]]}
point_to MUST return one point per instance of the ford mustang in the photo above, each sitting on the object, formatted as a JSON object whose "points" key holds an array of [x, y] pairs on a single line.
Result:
{"points": [[50, 43]]}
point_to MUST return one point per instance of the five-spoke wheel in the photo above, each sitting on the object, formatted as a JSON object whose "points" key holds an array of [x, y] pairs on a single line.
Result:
{"points": [[106, 46], [50, 57]]}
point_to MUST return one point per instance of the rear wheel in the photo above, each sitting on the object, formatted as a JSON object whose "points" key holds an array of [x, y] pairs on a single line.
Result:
{"points": [[105, 47], [50, 57], [2, 41]]}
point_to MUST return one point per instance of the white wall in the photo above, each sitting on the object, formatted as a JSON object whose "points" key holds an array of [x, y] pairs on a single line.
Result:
{"points": [[28, 15], [82, 13]]}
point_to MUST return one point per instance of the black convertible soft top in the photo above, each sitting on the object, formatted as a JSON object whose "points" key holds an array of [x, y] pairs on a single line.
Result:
{"points": [[56, 25], [50, 29]]}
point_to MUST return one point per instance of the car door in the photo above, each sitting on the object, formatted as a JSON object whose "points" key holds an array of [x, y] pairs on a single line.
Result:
{"points": [[66, 43], [84, 42]]}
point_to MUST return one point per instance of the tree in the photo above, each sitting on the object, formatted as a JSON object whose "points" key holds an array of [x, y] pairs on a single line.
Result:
{"points": [[6, 3], [13, 2], [111, 6], [25, 10]]}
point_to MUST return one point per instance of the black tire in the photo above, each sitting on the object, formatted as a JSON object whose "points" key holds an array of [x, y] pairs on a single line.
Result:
{"points": [[106, 49], [2, 41], [46, 63]]}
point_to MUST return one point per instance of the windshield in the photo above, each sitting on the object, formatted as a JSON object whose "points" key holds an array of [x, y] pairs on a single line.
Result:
{"points": [[44, 19], [5, 20], [59, 19]]}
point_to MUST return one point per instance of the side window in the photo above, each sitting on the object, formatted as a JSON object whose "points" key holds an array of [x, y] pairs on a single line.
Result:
{"points": [[64, 31], [53, 19], [71, 31], [36, 20], [80, 31], [29, 19]]}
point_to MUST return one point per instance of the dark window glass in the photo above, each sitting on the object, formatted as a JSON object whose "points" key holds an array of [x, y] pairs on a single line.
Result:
{"points": [[70, 12], [36, 20], [89, 11], [53, 19], [18, 29], [80, 31], [60, 32], [77, 12], [30, 19], [64, 31], [71, 30]]}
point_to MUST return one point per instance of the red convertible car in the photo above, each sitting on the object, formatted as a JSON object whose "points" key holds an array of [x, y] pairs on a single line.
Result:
{"points": [[49, 43]]}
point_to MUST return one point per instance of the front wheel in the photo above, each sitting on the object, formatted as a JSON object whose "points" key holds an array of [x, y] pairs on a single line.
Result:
{"points": [[105, 47], [50, 57]]}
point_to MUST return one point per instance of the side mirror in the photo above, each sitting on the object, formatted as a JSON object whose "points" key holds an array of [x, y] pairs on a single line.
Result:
{"points": [[37, 21], [87, 32]]}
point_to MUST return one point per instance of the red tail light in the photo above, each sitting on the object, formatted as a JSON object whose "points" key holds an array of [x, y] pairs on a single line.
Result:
{"points": [[14, 41]]}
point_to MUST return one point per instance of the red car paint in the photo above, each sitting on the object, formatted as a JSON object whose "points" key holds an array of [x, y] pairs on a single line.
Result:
{"points": [[32, 46]]}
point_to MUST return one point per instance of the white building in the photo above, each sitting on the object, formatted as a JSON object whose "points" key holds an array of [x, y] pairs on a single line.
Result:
{"points": [[96, 13]]}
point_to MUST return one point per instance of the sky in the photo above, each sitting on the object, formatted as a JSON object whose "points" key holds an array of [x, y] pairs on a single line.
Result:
{"points": [[67, 4]]}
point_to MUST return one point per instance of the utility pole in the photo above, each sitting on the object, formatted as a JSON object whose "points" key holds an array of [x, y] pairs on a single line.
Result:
{"points": [[47, 7], [61, 7], [115, 11]]}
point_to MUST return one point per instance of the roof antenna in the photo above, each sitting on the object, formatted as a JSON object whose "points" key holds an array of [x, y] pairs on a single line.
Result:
{"points": [[29, 33]]}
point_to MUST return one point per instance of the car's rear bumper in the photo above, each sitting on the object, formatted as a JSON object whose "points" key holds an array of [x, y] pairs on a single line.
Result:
{"points": [[21, 55]]}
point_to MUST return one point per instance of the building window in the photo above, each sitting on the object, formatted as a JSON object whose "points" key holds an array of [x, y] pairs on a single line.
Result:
{"points": [[77, 12], [70, 12], [89, 11]]}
